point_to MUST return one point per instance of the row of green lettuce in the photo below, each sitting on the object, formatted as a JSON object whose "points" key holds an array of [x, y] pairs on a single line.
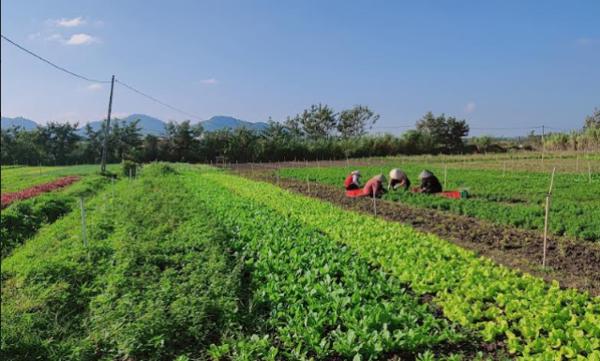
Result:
{"points": [[535, 319], [511, 198], [312, 298], [177, 268]]}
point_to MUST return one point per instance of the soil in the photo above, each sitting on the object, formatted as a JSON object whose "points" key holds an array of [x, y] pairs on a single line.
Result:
{"points": [[574, 264]]}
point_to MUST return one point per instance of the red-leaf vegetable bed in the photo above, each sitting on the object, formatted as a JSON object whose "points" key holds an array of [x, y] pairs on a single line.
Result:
{"points": [[8, 198]]}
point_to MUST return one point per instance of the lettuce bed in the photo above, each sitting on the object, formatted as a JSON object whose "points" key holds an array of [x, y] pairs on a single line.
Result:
{"points": [[537, 320], [515, 199]]}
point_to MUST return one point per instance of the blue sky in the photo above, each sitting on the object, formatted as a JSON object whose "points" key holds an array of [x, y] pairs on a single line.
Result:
{"points": [[498, 64]]}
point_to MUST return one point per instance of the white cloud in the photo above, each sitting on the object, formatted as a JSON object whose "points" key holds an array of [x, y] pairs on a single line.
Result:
{"points": [[470, 107], [34, 36], [69, 23], [81, 39], [94, 86], [211, 81]]}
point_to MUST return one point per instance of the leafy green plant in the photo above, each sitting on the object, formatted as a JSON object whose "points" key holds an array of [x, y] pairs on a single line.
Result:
{"points": [[493, 300], [515, 199]]}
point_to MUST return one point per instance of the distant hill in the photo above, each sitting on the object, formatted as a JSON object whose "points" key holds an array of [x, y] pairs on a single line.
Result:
{"points": [[219, 122], [150, 125], [25, 123], [147, 124]]}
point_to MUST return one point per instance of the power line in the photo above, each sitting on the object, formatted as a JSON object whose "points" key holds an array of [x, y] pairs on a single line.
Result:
{"points": [[52, 64], [99, 81], [157, 101]]}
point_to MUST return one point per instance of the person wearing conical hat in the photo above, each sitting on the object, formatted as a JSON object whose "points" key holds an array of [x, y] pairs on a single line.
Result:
{"points": [[374, 187], [398, 180], [352, 180], [429, 183]]}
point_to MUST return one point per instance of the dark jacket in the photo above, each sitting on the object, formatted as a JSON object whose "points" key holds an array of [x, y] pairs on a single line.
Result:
{"points": [[430, 185]]}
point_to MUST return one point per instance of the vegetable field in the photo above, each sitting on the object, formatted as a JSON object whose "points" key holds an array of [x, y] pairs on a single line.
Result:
{"points": [[190, 263], [513, 198], [16, 178]]}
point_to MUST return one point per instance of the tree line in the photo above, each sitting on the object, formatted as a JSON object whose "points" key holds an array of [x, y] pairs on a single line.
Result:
{"points": [[316, 133]]}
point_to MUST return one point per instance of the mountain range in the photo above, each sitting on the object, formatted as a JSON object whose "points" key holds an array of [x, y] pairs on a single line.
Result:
{"points": [[150, 125]]}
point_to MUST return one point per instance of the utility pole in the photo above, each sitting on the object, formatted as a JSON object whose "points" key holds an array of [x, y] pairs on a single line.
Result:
{"points": [[107, 128]]}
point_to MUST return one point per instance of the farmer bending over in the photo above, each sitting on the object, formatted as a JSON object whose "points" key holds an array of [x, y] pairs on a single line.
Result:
{"points": [[429, 183], [352, 181], [398, 179], [374, 187]]}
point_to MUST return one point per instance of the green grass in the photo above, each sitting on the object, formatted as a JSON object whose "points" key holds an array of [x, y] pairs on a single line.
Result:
{"points": [[156, 281], [511, 198], [16, 178]]}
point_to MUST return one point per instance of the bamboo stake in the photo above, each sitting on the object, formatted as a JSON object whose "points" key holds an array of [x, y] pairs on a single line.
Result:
{"points": [[445, 176], [308, 184], [577, 167], [590, 172], [83, 225], [374, 204], [548, 196], [504, 168]]}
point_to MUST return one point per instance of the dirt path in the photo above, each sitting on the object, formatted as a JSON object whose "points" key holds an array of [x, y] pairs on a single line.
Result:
{"points": [[573, 264]]}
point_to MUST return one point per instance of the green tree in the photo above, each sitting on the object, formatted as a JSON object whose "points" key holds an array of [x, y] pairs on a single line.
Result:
{"points": [[183, 141], [58, 140], [592, 121], [354, 122], [446, 133], [318, 122]]}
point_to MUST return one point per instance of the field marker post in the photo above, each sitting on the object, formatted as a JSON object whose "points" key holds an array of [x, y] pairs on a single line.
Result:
{"points": [[548, 196], [308, 184], [374, 204], [590, 171], [504, 168], [577, 167], [112, 201], [83, 227], [445, 175]]}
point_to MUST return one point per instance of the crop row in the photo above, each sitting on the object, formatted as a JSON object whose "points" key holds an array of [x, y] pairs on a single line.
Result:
{"points": [[22, 219], [17, 178], [515, 199], [8, 198], [315, 298], [156, 282], [537, 320]]}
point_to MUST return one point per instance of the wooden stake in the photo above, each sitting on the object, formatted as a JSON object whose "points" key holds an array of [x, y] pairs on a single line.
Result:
{"points": [[374, 205], [590, 172], [548, 196], [504, 168], [445, 176], [83, 225], [308, 184], [577, 167]]}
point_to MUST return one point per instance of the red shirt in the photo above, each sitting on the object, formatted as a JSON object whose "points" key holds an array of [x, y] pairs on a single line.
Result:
{"points": [[373, 186], [351, 180]]}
